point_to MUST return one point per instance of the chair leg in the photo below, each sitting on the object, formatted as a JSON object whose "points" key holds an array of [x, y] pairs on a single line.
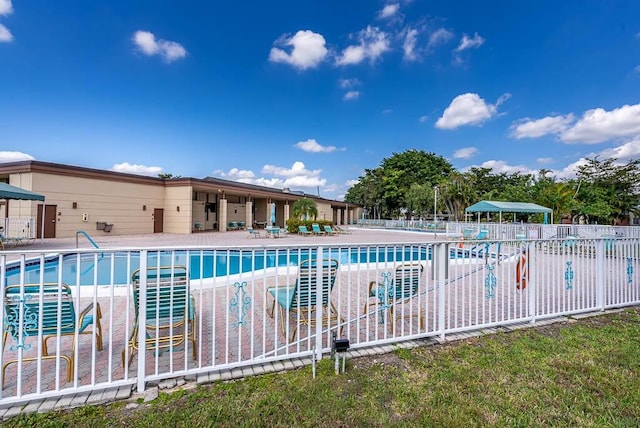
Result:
{"points": [[273, 307], [45, 348], [284, 320], [193, 339], [129, 346], [98, 327], [72, 359]]}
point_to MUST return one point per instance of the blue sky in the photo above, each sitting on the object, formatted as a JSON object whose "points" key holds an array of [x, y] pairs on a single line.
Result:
{"points": [[307, 94]]}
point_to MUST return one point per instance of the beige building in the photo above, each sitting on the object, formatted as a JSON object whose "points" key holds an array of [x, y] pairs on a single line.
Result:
{"points": [[107, 202]]}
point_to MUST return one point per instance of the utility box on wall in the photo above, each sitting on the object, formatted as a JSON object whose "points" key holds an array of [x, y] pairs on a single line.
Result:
{"points": [[85, 217]]}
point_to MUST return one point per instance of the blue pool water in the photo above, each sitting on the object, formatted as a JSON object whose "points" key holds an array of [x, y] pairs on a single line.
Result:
{"points": [[100, 268]]}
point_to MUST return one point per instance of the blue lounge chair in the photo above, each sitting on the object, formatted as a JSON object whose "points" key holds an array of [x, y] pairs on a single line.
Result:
{"points": [[170, 310], [48, 309], [483, 234], [391, 291], [341, 230], [253, 232], [302, 230], [301, 299], [315, 229], [328, 230], [467, 233]]}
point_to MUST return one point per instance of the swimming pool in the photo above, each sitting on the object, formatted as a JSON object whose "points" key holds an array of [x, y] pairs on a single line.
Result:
{"points": [[116, 267]]}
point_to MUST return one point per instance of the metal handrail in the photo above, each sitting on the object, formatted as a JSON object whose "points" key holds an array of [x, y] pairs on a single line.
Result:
{"points": [[79, 232]]}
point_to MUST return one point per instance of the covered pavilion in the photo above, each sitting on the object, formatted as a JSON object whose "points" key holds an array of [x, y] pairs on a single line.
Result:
{"points": [[508, 207], [8, 191]]}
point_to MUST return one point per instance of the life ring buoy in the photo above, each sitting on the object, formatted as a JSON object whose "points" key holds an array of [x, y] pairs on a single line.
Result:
{"points": [[522, 272]]}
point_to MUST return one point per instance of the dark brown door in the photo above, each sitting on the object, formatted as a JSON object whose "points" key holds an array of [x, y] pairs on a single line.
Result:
{"points": [[49, 221], [158, 220]]}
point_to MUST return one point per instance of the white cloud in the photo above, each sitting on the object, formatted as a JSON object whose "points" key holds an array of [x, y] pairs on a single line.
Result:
{"points": [[468, 109], [529, 128], [137, 169], [235, 174], [372, 43], [278, 177], [308, 50], [545, 160], [296, 169], [637, 69], [7, 156], [296, 176], [469, 42], [351, 95], [387, 111], [627, 151], [499, 167], [313, 146], [389, 10], [439, 37], [147, 43], [598, 125], [348, 83], [423, 119], [465, 153], [569, 171], [6, 8], [409, 45], [351, 183], [623, 153], [5, 34]]}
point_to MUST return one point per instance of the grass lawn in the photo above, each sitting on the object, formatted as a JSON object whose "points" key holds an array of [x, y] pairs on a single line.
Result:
{"points": [[583, 373]]}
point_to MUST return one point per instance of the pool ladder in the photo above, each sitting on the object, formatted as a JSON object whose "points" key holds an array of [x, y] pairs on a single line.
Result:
{"points": [[82, 232]]}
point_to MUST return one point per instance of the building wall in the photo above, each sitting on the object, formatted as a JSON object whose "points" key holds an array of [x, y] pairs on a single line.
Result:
{"points": [[103, 200], [22, 208], [82, 197], [178, 209], [236, 212], [325, 212]]}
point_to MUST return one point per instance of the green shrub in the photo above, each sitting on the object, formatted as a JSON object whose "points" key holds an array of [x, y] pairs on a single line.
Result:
{"points": [[293, 223]]}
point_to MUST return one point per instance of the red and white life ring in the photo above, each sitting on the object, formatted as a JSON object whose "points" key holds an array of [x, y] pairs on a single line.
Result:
{"points": [[522, 272]]}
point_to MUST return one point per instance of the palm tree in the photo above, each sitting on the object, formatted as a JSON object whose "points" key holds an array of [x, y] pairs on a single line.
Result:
{"points": [[304, 208]]}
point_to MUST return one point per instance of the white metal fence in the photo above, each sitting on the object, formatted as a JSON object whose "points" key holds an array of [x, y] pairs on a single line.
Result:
{"points": [[509, 230], [18, 228], [245, 306]]}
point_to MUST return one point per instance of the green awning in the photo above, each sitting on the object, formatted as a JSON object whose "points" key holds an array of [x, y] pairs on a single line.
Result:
{"points": [[507, 207], [8, 191]]}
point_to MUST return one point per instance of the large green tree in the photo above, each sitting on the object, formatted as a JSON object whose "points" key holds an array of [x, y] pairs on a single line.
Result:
{"points": [[384, 190], [603, 191], [304, 209], [607, 191]]}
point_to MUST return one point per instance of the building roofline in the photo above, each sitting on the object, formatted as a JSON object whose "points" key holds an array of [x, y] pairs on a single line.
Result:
{"points": [[72, 170], [207, 183]]}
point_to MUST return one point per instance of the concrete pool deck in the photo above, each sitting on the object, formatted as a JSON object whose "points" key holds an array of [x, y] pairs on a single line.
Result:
{"points": [[356, 235]]}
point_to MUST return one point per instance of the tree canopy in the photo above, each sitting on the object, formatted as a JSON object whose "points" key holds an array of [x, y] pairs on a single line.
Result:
{"points": [[386, 190], [603, 191], [304, 209]]}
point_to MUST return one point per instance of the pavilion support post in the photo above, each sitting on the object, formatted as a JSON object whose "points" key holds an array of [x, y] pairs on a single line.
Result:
{"points": [[43, 223]]}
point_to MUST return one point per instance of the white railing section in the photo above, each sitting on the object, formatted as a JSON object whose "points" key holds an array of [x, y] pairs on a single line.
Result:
{"points": [[196, 310], [509, 230], [18, 228]]}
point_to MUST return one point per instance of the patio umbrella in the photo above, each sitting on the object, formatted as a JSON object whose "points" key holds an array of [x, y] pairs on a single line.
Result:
{"points": [[272, 219]]}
